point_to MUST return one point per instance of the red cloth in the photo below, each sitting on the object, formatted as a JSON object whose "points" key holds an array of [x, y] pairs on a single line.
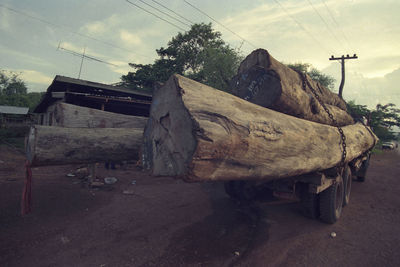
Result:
{"points": [[26, 205]]}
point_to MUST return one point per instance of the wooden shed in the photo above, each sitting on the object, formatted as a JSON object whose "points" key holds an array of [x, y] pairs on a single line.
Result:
{"points": [[14, 116], [83, 97]]}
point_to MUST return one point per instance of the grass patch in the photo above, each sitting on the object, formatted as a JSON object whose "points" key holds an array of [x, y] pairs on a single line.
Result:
{"points": [[14, 136], [377, 151]]}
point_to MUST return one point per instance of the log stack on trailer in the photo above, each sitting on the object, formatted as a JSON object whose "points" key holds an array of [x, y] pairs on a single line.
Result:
{"points": [[199, 133], [279, 126]]}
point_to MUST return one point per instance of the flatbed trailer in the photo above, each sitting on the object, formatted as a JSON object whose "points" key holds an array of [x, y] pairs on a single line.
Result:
{"points": [[323, 194]]}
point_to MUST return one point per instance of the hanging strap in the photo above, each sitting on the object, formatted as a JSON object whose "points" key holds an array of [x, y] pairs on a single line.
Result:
{"points": [[26, 204]]}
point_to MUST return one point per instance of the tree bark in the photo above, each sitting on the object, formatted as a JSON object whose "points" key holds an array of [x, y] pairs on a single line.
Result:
{"points": [[264, 81], [198, 133], [50, 145], [68, 115]]}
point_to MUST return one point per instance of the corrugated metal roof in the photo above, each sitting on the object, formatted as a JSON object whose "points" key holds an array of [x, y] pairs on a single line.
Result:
{"points": [[67, 85], [14, 110]]}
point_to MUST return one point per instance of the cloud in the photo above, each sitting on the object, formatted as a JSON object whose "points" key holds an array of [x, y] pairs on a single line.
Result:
{"points": [[95, 27], [130, 38], [36, 81], [33, 76], [71, 46], [364, 27], [122, 67], [27, 58], [4, 20], [367, 91], [79, 49]]}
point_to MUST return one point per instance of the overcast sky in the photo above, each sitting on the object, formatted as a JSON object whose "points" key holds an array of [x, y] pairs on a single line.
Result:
{"points": [[118, 32]]}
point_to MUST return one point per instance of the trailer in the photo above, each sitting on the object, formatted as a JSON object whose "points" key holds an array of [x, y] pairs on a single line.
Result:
{"points": [[322, 194]]}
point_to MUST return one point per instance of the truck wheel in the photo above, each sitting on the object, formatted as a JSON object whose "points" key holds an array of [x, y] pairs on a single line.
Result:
{"points": [[362, 172], [331, 202], [347, 179]]}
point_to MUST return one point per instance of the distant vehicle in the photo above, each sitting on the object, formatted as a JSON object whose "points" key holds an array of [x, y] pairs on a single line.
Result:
{"points": [[388, 145]]}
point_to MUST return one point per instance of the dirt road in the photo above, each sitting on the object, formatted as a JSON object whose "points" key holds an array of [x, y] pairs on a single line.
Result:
{"points": [[147, 221]]}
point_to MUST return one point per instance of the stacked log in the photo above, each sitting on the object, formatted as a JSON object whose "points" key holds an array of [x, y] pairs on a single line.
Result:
{"points": [[84, 135], [199, 134], [73, 116], [51, 145], [264, 81]]}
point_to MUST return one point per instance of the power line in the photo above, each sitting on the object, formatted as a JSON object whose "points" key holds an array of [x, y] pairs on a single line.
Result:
{"points": [[326, 24], [226, 28], [68, 29], [337, 24], [176, 26], [302, 27], [85, 56], [182, 17], [172, 17]]}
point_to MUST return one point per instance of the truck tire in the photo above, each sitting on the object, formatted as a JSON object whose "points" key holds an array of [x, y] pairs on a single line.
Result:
{"points": [[331, 202], [362, 172], [347, 180]]}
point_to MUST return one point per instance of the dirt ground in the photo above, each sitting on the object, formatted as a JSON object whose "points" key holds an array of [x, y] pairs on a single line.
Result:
{"points": [[147, 221]]}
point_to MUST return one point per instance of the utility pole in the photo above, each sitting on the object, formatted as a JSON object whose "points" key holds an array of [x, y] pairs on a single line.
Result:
{"points": [[342, 58], [83, 56]]}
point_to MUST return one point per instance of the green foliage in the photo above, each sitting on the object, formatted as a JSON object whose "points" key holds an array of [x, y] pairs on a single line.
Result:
{"points": [[357, 111], [14, 136], [13, 91], [324, 79], [11, 84], [382, 119], [199, 54]]}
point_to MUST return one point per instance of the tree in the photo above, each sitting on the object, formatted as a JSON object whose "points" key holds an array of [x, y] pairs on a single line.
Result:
{"points": [[382, 119], [199, 54], [13, 91], [11, 84], [324, 79]]}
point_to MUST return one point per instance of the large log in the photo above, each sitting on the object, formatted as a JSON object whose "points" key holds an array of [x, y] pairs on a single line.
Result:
{"points": [[264, 81], [198, 133], [68, 115], [50, 145]]}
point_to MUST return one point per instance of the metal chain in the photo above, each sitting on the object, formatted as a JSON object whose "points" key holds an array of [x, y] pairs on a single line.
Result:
{"points": [[305, 83]]}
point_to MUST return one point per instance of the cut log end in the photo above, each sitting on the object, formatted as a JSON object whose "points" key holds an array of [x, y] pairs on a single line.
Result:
{"points": [[167, 149], [258, 86], [264, 81]]}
